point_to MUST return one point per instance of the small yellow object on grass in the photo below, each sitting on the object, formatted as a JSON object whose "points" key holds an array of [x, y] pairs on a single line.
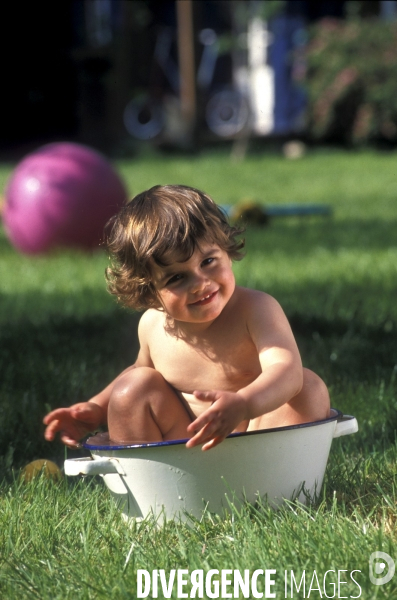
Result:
{"points": [[41, 466], [249, 212]]}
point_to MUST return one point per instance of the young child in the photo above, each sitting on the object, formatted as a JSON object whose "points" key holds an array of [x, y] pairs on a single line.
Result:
{"points": [[214, 357]]}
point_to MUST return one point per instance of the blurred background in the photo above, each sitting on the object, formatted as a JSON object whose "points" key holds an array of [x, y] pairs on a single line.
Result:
{"points": [[183, 73]]}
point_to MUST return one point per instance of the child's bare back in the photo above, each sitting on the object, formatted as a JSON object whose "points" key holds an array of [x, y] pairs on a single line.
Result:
{"points": [[214, 357]]}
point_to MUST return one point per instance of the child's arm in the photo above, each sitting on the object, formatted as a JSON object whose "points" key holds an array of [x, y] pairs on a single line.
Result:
{"points": [[73, 423], [281, 378], [76, 421]]}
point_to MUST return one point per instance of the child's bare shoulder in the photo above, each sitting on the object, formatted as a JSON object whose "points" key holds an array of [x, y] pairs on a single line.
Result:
{"points": [[265, 319], [255, 300], [150, 319], [261, 311]]}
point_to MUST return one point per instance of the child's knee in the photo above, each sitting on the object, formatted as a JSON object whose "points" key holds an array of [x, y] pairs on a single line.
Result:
{"points": [[135, 385], [315, 388]]}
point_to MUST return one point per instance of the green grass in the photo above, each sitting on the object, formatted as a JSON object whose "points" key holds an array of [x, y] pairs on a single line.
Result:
{"points": [[62, 338]]}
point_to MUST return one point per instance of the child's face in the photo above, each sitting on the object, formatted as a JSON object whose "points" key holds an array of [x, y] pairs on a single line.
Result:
{"points": [[197, 290]]}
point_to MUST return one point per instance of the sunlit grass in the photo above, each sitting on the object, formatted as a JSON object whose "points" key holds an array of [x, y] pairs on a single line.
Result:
{"points": [[62, 541]]}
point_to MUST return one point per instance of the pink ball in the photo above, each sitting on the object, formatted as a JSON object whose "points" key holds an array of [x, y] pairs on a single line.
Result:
{"points": [[63, 194]]}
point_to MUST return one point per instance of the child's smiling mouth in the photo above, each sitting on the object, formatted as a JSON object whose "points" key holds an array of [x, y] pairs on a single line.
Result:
{"points": [[205, 300]]}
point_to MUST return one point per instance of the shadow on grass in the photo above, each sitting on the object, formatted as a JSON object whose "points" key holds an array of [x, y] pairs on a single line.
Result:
{"points": [[349, 348], [359, 364], [53, 364]]}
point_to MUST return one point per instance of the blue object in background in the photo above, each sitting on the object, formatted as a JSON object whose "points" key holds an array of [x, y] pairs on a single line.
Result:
{"points": [[289, 37]]}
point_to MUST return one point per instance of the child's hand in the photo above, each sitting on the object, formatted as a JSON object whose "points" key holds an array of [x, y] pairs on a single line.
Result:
{"points": [[73, 423], [215, 424]]}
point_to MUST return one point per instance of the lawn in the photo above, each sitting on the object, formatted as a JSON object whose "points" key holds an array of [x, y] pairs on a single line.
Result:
{"points": [[63, 338]]}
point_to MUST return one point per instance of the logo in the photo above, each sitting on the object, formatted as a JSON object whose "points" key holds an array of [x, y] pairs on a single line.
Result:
{"points": [[381, 568]]}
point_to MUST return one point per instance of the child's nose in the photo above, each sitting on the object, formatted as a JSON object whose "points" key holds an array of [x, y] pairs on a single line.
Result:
{"points": [[199, 283]]}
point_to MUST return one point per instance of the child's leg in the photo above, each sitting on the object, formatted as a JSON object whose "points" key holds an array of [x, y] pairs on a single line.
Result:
{"points": [[144, 408], [311, 404]]}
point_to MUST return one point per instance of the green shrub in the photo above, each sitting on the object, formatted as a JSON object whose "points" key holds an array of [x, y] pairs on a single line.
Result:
{"points": [[352, 81]]}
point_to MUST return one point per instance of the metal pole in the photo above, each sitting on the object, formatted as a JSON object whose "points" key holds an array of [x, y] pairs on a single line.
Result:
{"points": [[187, 71]]}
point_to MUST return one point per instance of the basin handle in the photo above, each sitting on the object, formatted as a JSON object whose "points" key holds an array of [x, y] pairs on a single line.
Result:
{"points": [[345, 425], [88, 466]]}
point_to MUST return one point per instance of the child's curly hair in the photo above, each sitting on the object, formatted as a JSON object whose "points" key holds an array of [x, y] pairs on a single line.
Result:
{"points": [[161, 225]]}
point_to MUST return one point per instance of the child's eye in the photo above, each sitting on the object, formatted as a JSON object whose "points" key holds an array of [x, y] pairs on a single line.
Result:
{"points": [[207, 261], [175, 278]]}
